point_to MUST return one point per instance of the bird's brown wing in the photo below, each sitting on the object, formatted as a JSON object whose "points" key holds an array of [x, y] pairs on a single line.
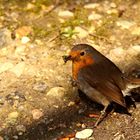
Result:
{"points": [[101, 80]]}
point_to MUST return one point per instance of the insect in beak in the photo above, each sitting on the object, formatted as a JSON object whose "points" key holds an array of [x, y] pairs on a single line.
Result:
{"points": [[66, 58]]}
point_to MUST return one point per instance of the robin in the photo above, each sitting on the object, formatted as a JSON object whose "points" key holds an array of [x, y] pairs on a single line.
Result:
{"points": [[98, 77]]}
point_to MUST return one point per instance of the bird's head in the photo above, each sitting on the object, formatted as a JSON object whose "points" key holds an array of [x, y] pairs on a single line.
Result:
{"points": [[81, 53]]}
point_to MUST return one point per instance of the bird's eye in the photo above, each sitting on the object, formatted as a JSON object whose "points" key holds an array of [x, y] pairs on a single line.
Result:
{"points": [[82, 53]]}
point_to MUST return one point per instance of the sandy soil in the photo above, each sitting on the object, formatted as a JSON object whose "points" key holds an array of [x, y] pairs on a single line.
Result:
{"points": [[37, 99]]}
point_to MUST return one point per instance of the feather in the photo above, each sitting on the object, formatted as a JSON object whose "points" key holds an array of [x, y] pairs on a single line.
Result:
{"points": [[103, 82]]}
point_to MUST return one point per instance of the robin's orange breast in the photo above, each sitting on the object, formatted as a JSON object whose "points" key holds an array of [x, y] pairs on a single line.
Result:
{"points": [[77, 65]]}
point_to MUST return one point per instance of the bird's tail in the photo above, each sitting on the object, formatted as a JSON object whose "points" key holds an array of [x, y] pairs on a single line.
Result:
{"points": [[135, 81], [132, 83]]}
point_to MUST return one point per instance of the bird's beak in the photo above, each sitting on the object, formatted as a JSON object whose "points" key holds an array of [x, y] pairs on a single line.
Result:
{"points": [[66, 58]]}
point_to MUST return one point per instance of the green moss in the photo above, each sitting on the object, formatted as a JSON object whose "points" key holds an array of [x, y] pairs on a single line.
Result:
{"points": [[67, 32], [43, 2], [107, 25], [81, 16], [40, 32]]}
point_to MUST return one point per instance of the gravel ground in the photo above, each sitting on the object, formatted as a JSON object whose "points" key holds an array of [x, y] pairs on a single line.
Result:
{"points": [[37, 99]]}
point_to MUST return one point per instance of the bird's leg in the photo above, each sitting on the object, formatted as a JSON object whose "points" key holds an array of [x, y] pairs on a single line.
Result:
{"points": [[101, 116]]}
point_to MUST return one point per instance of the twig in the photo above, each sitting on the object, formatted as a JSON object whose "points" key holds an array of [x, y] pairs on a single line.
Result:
{"points": [[53, 38], [100, 37], [97, 36]]}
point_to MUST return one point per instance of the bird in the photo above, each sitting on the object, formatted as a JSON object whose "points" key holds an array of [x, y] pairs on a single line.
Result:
{"points": [[97, 77]]}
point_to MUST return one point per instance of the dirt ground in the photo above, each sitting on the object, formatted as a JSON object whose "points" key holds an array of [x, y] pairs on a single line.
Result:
{"points": [[37, 99]]}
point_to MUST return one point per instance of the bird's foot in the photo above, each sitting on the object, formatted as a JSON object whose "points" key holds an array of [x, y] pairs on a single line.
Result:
{"points": [[101, 117]]}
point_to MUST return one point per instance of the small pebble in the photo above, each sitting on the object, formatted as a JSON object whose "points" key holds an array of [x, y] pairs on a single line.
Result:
{"points": [[18, 69], [134, 50], [119, 137], [124, 24], [136, 31], [40, 86], [20, 50], [65, 14], [21, 128], [23, 31], [25, 39], [86, 133], [5, 66], [37, 114], [30, 6], [55, 106], [13, 115], [80, 111], [13, 96], [114, 113], [71, 103], [83, 125], [5, 37], [56, 92], [113, 5], [91, 6], [117, 52], [14, 16], [15, 137], [112, 11], [78, 124], [93, 16], [2, 100], [20, 133], [81, 33]]}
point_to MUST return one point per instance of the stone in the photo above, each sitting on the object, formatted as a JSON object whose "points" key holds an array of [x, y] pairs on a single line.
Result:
{"points": [[124, 24], [94, 16], [37, 114], [15, 96], [5, 66], [20, 50], [117, 52], [71, 103], [15, 137], [136, 31], [113, 5], [134, 50], [81, 33], [5, 37], [31, 70], [14, 16], [25, 39], [56, 92], [30, 6], [91, 6], [40, 86], [119, 137], [65, 14], [112, 11], [84, 134], [12, 117], [21, 128], [18, 69]]}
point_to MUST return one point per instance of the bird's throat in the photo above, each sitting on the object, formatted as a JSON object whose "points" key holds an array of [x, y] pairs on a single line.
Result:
{"points": [[77, 65]]}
